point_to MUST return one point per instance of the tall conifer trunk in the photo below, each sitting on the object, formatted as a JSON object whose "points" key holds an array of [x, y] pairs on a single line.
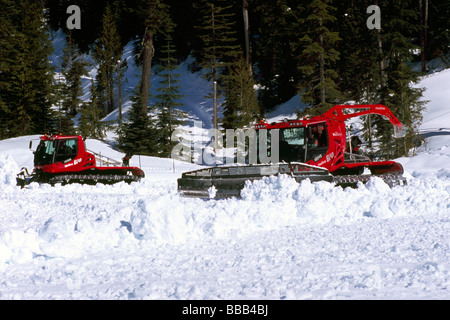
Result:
{"points": [[147, 54]]}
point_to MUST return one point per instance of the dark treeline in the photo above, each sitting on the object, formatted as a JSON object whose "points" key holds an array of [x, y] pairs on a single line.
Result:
{"points": [[320, 49]]}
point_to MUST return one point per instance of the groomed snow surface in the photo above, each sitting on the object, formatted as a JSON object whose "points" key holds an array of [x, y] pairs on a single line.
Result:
{"points": [[281, 240]]}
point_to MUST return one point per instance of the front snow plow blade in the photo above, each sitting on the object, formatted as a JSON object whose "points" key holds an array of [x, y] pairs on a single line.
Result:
{"points": [[24, 178], [228, 181]]}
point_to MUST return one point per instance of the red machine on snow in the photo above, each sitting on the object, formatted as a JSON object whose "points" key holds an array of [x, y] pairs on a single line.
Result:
{"points": [[65, 159], [315, 149]]}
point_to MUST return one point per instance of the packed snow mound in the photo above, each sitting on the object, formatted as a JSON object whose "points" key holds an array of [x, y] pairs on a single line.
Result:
{"points": [[72, 221], [8, 170], [432, 160]]}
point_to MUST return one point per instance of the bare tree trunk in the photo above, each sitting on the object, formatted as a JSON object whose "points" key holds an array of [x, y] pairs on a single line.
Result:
{"points": [[111, 95], [422, 36], [147, 53], [119, 88], [247, 35], [322, 71], [322, 80], [425, 32], [215, 119], [381, 63]]}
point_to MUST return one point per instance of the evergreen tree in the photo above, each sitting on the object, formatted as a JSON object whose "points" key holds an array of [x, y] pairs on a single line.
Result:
{"points": [[318, 55], [27, 80], [241, 106], [358, 67], [107, 52], [397, 92], [8, 63], [169, 116], [404, 101], [219, 48], [436, 30], [358, 74], [152, 18], [276, 30], [122, 66], [90, 124], [139, 135], [73, 68], [217, 34]]}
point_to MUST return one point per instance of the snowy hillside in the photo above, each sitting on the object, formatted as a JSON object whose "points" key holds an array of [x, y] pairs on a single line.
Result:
{"points": [[193, 90], [281, 240]]}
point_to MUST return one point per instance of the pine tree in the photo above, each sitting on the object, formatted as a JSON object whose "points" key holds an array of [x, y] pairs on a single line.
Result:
{"points": [[122, 66], [90, 124], [318, 56], [107, 52], [153, 18], [241, 106], [276, 34], [28, 71], [404, 101], [358, 74], [397, 92], [217, 33], [139, 134], [358, 67], [169, 116], [73, 68], [219, 48], [8, 62], [436, 30]]}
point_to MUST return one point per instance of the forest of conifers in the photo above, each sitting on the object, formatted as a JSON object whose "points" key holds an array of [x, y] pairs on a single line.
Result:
{"points": [[329, 52]]}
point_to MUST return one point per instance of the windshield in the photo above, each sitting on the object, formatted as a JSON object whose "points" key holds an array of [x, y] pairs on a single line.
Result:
{"points": [[51, 151], [44, 152], [298, 144], [292, 144], [293, 136]]}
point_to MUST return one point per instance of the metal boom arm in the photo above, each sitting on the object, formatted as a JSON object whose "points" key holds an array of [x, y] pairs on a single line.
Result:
{"points": [[337, 112]]}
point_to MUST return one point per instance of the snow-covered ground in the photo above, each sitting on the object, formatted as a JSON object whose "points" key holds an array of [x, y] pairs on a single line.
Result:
{"points": [[280, 240]]}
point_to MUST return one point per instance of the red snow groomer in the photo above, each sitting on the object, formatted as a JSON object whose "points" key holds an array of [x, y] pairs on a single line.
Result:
{"points": [[316, 148], [65, 159]]}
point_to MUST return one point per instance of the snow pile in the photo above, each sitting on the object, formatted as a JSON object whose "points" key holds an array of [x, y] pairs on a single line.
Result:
{"points": [[72, 239], [75, 221], [433, 159], [8, 170]]}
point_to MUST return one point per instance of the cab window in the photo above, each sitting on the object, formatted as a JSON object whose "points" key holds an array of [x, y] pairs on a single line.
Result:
{"points": [[317, 142], [292, 144], [66, 150], [45, 152]]}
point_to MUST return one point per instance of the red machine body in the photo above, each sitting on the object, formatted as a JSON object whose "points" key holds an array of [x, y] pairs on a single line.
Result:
{"points": [[332, 151], [65, 159]]}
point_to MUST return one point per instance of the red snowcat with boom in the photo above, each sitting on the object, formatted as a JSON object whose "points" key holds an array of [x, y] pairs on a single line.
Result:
{"points": [[316, 148], [65, 159]]}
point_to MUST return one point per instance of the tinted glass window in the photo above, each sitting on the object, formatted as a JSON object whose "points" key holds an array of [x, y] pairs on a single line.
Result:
{"points": [[66, 150], [44, 153], [293, 136]]}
